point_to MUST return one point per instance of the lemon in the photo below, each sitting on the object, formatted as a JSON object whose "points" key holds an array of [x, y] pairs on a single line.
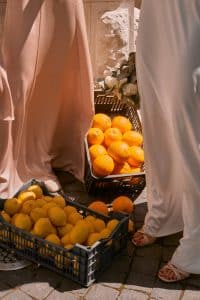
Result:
{"points": [[26, 195], [36, 189], [57, 216], [11, 206]]}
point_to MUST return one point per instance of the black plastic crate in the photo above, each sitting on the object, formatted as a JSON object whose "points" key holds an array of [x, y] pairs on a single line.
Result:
{"points": [[81, 264], [122, 184]]}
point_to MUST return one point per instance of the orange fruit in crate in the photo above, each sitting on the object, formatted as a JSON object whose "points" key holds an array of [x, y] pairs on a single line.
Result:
{"points": [[79, 233], [101, 121], [122, 123], [112, 135], [74, 218], [135, 170], [27, 206], [69, 210], [119, 151], [95, 136], [59, 200], [42, 227], [99, 206], [131, 226], [123, 204], [103, 165], [122, 169], [37, 213], [99, 225], [136, 156], [62, 230], [133, 138], [105, 233], [96, 150], [26, 195]]}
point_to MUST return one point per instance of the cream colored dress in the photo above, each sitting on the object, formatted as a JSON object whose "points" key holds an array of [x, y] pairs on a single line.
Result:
{"points": [[168, 62], [47, 89]]}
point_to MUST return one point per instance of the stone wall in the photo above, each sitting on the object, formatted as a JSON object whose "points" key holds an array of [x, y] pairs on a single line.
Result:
{"points": [[110, 26]]}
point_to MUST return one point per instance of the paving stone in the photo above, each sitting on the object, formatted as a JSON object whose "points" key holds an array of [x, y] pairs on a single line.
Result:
{"points": [[18, 277], [165, 294], [172, 240], [167, 253], [149, 252], [113, 285], [101, 292], [4, 289], [68, 285], [140, 281], [132, 295], [50, 277], [56, 295], [118, 270], [138, 288], [146, 265], [194, 281], [191, 295], [17, 295], [172, 286], [38, 290]]}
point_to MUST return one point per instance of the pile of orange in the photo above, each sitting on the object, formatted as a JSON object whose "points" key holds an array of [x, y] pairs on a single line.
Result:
{"points": [[114, 147]]}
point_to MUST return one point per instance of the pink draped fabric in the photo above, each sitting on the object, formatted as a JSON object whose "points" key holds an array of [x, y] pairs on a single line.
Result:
{"points": [[46, 59]]}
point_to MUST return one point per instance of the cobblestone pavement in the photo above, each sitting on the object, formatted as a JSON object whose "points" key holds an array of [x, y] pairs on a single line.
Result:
{"points": [[132, 275]]}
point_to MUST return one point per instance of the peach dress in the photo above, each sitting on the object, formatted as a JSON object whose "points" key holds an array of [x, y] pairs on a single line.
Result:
{"points": [[168, 65], [46, 92]]}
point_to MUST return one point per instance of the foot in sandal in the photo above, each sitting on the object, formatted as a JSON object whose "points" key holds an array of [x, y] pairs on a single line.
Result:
{"points": [[170, 273], [140, 238]]}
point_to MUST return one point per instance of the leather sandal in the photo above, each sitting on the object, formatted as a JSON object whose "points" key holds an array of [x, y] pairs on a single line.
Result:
{"points": [[144, 239], [176, 273]]}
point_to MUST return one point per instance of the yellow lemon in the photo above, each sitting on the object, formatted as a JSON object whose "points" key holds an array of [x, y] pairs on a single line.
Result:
{"points": [[43, 227], [53, 238], [38, 213], [23, 221], [26, 195], [57, 216], [27, 206], [93, 238], [99, 225], [11, 206], [5, 216], [64, 229], [60, 201], [74, 218], [36, 189]]}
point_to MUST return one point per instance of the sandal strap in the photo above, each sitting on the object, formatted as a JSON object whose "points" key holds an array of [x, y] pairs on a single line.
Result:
{"points": [[180, 274]]}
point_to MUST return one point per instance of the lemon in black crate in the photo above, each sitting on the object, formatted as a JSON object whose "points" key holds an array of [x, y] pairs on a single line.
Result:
{"points": [[87, 254], [129, 182]]}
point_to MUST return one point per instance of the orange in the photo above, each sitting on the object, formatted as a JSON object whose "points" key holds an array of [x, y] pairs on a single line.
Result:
{"points": [[96, 150], [136, 156], [119, 151], [99, 225], [112, 135], [132, 138], [123, 204], [79, 233], [122, 123], [99, 206], [74, 218], [135, 170], [122, 169], [103, 165], [101, 121], [95, 136], [93, 238]]}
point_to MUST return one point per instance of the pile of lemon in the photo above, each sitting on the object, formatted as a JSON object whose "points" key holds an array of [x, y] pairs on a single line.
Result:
{"points": [[50, 218], [114, 146]]}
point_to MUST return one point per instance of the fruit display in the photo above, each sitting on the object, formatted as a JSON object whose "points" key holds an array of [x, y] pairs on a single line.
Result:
{"points": [[122, 204], [52, 219], [114, 147]]}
